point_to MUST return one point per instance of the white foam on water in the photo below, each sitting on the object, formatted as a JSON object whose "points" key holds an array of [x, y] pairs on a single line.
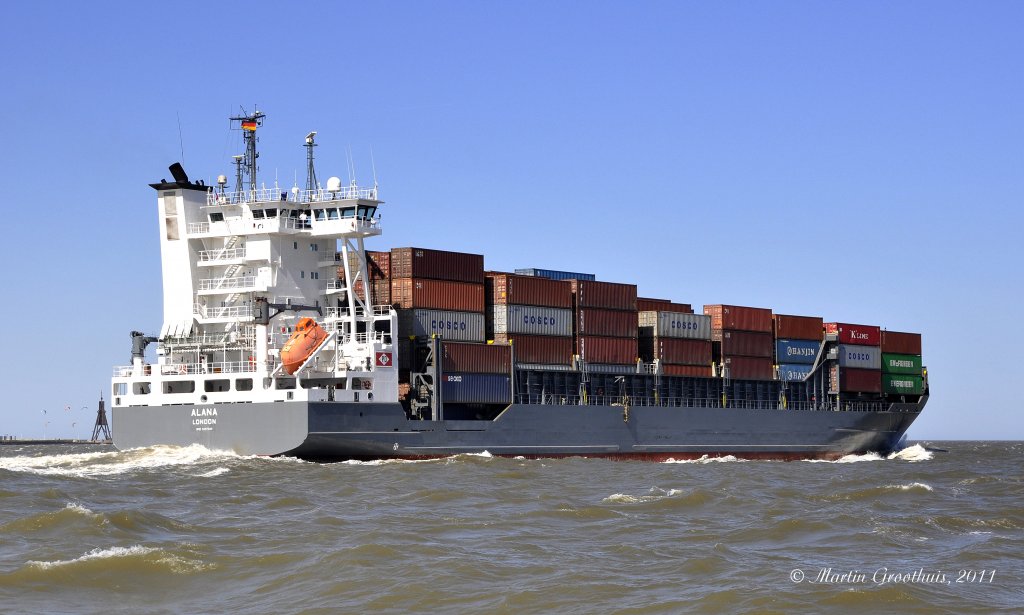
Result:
{"points": [[214, 472], [707, 459], [912, 453], [91, 465], [485, 454], [910, 487], [656, 493], [94, 554]]}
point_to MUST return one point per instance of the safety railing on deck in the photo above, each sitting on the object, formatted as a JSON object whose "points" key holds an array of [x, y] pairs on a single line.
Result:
{"points": [[277, 195], [207, 256], [232, 311], [227, 283], [686, 402]]}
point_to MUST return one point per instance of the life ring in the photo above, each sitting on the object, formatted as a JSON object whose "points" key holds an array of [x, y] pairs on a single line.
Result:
{"points": [[252, 363], [182, 369]]}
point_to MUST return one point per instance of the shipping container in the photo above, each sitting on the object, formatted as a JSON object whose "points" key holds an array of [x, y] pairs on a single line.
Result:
{"points": [[604, 323], [852, 380], [531, 320], [749, 368], [790, 372], [446, 324], [900, 384], [864, 335], [437, 265], [862, 357], [476, 358], [476, 389], [675, 324], [646, 304], [556, 275], [507, 288], [901, 343], [675, 350], [745, 343], [604, 295], [437, 294], [739, 318], [381, 292], [538, 349], [379, 265], [695, 371], [798, 327], [902, 364], [796, 351], [610, 350]]}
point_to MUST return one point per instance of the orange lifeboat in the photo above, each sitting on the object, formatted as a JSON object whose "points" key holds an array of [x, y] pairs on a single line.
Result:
{"points": [[307, 338]]}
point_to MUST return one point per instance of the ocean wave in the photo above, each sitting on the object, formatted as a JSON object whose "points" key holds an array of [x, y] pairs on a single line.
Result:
{"points": [[72, 513], [707, 459], [912, 454], [910, 487], [654, 494], [137, 558], [214, 472], [93, 465]]}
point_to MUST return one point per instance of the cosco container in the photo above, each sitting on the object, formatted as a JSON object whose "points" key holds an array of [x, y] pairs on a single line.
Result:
{"points": [[675, 324], [902, 364], [605, 323], [796, 351], [675, 350], [556, 275], [790, 372], [864, 335], [696, 371], [437, 294], [437, 265], [852, 380], [798, 327], [745, 343], [476, 358], [507, 288], [605, 295], [532, 320], [739, 318], [613, 350], [900, 384], [863, 357], [459, 388], [749, 368], [646, 304], [538, 349], [448, 325], [901, 343]]}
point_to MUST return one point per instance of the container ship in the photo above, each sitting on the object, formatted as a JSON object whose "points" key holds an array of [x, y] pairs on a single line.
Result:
{"points": [[284, 335]]}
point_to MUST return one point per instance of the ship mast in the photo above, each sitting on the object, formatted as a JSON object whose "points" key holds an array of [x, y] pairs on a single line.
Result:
{"points": [[310, 170], [249, 123]]}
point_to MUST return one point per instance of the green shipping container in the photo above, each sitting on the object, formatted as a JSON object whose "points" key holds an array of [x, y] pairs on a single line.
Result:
{"points": [[901, 364], [902, 385]]}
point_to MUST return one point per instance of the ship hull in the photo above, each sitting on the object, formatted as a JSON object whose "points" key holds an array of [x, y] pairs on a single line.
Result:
{"points": [[334, 430]]}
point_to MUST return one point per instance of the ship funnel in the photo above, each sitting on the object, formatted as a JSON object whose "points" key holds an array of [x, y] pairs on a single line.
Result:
{"points": [[179, 173]]}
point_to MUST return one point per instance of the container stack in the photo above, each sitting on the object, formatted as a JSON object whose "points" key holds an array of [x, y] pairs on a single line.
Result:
{"points": [[743, 340], [797, 343], [534, 314], [438, 292], [551, 274], [475, 373], [902, 368], [860, 358], [680, 341], [604, 322], [646, 304]]}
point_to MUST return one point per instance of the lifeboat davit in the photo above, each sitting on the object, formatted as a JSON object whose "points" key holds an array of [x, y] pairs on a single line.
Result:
{"points": [[307, 338]]}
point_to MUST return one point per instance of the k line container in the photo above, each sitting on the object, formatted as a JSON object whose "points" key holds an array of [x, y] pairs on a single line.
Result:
{"points": [[610, 350], [798, 327], [437, 294], [862, 357], [476, 358], [749, 368], [604, 295], [852, 380], [864, 335], [675, 324], [902, 364], [606, 323], [475, 389], [900, 384], [437, 265], [745, 343], [556, 275], [790, 372], [696, 371], [507, 288], [675, 350], [896, 342], [739, 318], [532, 320], [448, 325], [796, 351], [538, 349]]}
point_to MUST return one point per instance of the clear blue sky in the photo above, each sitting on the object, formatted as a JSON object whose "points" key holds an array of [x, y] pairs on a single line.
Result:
{"points": [[859, 161]]}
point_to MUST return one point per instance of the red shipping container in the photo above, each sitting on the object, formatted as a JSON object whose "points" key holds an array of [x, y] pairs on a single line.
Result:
{"points": [[512, 289], [697, 371], [745, 343], [605, 295], [750, 368], [676, 351], [379, 265], [798, 327], [381, 292], [862, 335], [644, 304], [611, 350], [739, 318], [437, 294], [437, 265], [605, 323], [476, 358], [901, 343], [853, 380], [539, 349]]}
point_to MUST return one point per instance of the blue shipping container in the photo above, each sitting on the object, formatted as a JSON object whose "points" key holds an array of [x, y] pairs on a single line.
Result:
{"points": [[557, 275], [796, 351], [475, 389], [793, 372]]}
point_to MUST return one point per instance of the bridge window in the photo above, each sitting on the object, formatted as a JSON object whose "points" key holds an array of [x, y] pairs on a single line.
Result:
{"points": [[243, 384], [257, 214], [216, 386]]}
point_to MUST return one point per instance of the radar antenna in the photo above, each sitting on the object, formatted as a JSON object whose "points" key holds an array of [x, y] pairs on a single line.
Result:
{"points": [[249, 123], [310, 170]]}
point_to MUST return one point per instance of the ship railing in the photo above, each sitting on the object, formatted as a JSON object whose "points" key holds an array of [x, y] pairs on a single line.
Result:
{"points": [[689, 402], [344, 312], [227, 283], [231, 311], [207, 256], [123, 371], [198, 228], [276, 194], [336, 285], [211, 367]]}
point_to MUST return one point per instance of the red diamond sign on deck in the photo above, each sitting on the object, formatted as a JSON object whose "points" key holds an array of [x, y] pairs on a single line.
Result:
{"points": [[384, 359]]}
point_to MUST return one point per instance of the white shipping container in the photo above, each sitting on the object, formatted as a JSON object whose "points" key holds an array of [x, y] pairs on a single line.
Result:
{"points": [[677, 324], [863, 357], [454, 326], [530, 320]]}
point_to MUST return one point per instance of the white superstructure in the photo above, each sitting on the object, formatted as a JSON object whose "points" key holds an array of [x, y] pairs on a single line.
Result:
{"points": [[239, 270]]}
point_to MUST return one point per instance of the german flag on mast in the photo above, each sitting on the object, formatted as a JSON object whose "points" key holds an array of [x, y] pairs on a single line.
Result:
{"points": [[249, 125]]}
